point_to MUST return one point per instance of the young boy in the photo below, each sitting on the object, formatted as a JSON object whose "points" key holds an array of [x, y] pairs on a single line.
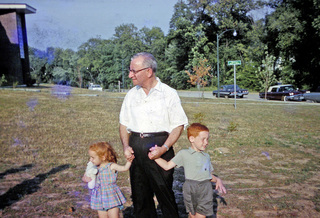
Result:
{"points": [[197, 189]]}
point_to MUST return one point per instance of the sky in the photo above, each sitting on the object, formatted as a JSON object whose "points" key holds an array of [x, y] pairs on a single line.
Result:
{"points": [[70, 23]]}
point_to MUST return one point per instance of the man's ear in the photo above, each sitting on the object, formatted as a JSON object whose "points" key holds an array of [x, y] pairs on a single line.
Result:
{"points": [[150, 72]]}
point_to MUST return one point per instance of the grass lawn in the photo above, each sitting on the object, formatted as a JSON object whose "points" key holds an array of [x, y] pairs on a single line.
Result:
{"points": [[267, 153]]}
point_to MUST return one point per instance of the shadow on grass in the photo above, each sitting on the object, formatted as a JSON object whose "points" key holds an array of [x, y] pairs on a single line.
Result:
{"points": [[15, 170], [26, 187]]}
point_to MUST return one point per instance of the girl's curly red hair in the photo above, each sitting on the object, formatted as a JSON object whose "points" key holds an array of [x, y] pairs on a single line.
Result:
{"points": [[104, 149]]}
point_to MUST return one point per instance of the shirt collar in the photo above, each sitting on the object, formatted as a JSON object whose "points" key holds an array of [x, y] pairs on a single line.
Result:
{"points": [[157, 87], [192, 151]]}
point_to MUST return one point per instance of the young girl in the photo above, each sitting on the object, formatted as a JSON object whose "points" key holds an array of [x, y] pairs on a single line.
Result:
{"points": [[106, 196]]}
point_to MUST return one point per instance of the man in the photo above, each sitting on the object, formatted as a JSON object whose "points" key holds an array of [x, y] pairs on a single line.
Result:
{"points": [[151, 114]]}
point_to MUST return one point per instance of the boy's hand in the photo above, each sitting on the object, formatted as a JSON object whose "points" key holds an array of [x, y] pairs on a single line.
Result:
{"points": [[155, 152], [220, 187]]}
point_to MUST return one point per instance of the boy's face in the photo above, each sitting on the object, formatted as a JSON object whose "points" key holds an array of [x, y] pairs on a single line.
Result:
{"points": [[200, 142]]}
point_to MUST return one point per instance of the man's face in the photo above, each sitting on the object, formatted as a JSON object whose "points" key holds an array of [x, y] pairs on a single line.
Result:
{"points": [[136, 73], [200, 142]]}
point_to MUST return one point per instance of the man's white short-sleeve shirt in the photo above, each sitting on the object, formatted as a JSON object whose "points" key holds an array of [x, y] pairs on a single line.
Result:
{"points": [[158, 111]]}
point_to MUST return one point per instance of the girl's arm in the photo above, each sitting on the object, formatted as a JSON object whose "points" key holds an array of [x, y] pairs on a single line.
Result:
{"points": [[120, 168], [219, 184], [166, 165]]}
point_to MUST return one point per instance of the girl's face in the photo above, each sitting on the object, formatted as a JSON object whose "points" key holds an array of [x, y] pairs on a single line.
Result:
{"points": [[200, 142], [94, 158]]}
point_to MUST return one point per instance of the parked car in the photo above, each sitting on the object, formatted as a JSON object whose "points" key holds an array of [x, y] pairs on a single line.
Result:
{"points": [[298, 97], [95, 87], [313, 96], [283, 93], [227, 91]]}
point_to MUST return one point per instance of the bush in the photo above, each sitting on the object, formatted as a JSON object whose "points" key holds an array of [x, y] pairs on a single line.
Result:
{"points": [[14, 84], [3, 80]]}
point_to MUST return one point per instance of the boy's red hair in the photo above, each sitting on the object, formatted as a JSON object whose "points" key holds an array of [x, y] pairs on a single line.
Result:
{"points": [[195, 128], [103, 149]]}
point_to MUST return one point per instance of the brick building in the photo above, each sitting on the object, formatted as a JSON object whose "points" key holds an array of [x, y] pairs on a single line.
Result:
{"points": [[14, 56]]}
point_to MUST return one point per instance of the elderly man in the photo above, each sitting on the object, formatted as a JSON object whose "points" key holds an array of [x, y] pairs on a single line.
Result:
{"points": [[151, 114]]}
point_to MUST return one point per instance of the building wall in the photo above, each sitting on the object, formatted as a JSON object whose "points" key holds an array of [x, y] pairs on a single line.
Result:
{"points": [[14, 58]]}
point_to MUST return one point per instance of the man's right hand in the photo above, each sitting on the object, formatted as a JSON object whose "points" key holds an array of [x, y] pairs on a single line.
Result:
{"points": [[129, 154]]}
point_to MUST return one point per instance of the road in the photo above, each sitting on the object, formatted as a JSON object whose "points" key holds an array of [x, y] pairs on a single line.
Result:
{"points": [[208, 94], [249, 97]]}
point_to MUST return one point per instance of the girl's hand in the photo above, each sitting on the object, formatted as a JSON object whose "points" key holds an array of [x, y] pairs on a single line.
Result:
{"points": [[131, 159], [86, 178]]}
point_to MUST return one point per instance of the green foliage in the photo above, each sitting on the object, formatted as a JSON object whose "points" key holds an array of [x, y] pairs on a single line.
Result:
{"points": [[192, 37], [247, 76], [266, 72], [232, 126], [15, 84], [3, 80], [293, 35], [179, 80]]}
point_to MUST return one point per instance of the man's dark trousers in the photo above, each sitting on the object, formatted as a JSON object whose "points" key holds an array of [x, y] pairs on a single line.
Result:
{"points": [[147, 179]]}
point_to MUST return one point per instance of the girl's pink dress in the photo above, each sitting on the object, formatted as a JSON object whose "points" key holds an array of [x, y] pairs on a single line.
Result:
{"points": [[106, 193]]}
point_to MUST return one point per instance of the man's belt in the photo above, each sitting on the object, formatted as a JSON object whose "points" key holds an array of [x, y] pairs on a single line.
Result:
{"points": [[149, 134]]}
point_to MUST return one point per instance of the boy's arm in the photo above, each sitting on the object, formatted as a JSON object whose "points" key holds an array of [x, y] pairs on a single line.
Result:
{"points": [[219, 184], [120, 168], [166, 165]]}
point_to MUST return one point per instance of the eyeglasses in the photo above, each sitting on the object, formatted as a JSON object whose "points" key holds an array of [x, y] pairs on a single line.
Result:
{"points": [[137, 71]]}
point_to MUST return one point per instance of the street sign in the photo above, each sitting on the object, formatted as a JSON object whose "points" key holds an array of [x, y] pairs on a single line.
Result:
{"points": [[234, 62]]}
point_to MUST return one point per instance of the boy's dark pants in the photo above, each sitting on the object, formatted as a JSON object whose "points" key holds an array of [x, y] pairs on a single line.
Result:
{"points": [[147, 179]]}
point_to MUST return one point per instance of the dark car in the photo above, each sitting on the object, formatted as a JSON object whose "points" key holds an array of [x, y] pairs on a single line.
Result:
{"points": [[313, 96], [227, 91], [283, 93]]}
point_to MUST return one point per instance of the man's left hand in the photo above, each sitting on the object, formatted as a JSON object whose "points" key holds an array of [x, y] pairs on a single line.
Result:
{"points": [[156, 152]]}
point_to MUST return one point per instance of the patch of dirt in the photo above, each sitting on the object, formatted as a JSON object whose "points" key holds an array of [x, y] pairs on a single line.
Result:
{"points": [[299, 200]]}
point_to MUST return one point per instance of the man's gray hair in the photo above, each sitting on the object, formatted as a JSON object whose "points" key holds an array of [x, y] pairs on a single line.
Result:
{"points": [[149, 60]]}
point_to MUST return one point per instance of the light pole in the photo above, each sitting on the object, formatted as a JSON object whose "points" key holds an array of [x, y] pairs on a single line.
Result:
{"points": [[122, 73], [218, 73], [123, 60]]}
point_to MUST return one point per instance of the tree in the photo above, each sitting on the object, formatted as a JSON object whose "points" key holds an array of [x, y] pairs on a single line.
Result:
{"points": [[155, 42], [267, 72], [207, 19], [198, 76], [293, 35], [127, 38], [251, 54]]}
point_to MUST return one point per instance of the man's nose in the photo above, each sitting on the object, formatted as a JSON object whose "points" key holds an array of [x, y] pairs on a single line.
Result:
{"points": [[131, 75]]}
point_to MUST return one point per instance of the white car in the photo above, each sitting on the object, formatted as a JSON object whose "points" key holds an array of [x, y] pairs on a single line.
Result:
{"points": [[95, 87]]}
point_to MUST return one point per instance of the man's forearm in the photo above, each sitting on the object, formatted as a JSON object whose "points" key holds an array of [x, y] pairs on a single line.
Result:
{"points": [[174, 136], [124, 136]]}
